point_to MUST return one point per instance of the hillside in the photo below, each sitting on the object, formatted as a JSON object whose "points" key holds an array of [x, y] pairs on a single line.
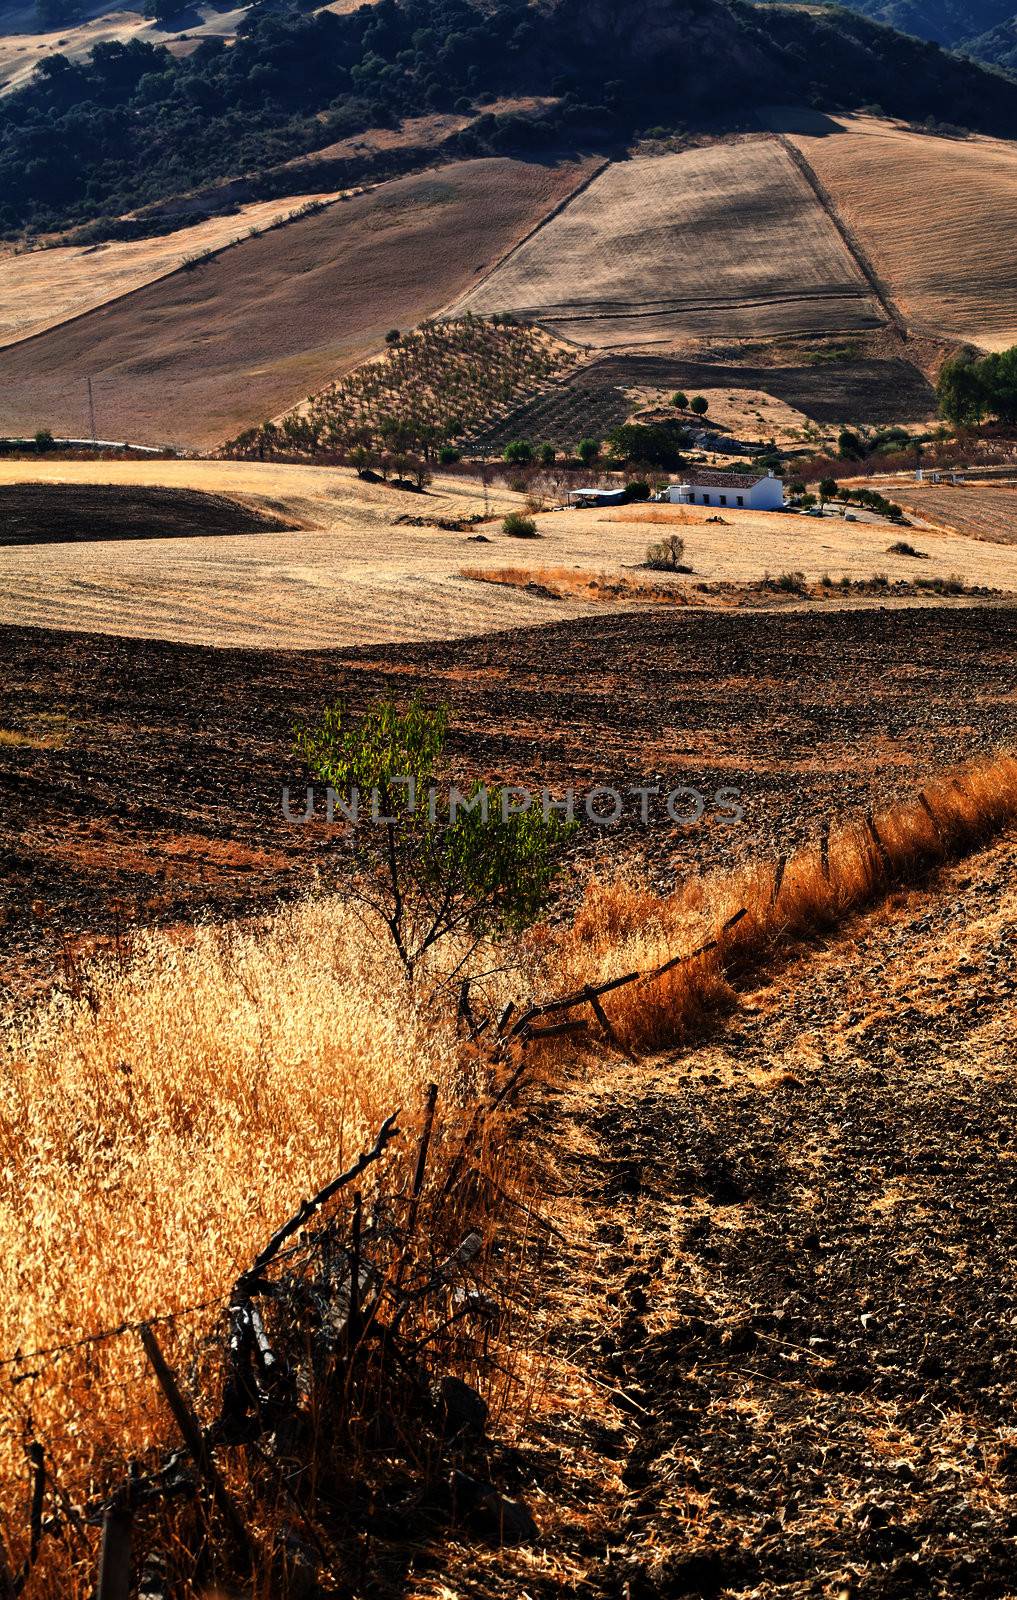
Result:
{"points": [[727, 239], [196, 356], [134, 124], [997, 47], [951, 23], [939, 233]]}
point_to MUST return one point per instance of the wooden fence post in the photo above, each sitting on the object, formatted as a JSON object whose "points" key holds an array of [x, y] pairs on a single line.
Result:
{"points": [[196, 1443], [114, 1582]]}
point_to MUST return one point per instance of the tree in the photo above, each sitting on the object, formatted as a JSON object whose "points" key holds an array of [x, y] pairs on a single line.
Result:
{"points": [[588, 450], [519, 452], [680, 401], [961, 392], [827, 489], [999, 379], [699, 405], [639, 489], [44, 439], [667, 555], [849, 445], [651, 444], [433, 862], [547, 455]]}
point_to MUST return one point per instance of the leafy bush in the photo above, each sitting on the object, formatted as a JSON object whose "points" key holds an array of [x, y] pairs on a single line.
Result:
{"points": [[518, 526], [786, 583], [588, 450], [666, 555], [465, 866], [901, 548], [637, 490], [699, 405]]}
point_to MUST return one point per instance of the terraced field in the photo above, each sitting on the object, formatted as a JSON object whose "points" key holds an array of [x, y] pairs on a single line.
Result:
{"points": [[937, 218], [729, 239]]}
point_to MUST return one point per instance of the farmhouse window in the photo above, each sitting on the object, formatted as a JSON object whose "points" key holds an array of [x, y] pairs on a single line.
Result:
{"points": [[723, 499], [741, 499], [706, 499]]}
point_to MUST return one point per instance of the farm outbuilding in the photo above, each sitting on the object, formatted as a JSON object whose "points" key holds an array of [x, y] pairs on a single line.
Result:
{"points": [[597, 497], [753, 490]]}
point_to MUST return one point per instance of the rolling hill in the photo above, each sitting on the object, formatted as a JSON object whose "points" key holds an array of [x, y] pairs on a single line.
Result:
{"points": [[197, 355], [936, 216]]}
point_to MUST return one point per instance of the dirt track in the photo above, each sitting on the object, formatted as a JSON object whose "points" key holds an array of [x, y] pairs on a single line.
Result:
{"points": [[142, 780]]}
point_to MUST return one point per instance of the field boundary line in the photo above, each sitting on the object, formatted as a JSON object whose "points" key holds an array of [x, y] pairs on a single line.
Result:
{"points": [[801, 161], [548, 217]]}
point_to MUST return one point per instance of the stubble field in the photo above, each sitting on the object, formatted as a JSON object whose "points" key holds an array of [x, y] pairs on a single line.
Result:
{"points": [[936, 216], [728, 240], [359, 563]]}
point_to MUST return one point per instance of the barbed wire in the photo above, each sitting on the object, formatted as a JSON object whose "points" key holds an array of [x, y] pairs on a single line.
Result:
{"points": [[51, 1352]]}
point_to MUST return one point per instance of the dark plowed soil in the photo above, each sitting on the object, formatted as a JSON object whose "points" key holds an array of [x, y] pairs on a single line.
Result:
{"points": [[60, 513], [594, 401], [788, 1267], [141, 780]]}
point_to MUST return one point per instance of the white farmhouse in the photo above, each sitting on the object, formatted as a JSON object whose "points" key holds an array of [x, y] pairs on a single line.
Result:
{"points": [[753, 490]]}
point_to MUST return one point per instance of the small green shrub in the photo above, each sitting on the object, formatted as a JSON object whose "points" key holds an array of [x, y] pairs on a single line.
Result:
{"points": [[516, 526]]}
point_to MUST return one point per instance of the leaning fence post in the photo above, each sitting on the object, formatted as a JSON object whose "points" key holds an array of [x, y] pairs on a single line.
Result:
{"points": [[778, 879], [195, 1441], [353, 1321], [114, 1582]]}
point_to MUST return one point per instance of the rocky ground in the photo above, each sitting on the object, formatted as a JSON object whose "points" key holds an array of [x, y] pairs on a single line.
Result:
{"points": [[781, 1317], [141, 781]]}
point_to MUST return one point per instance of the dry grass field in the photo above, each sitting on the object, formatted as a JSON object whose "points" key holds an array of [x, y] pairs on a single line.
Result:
{"points": [[350, 572], [978, 510], [192, 359], [41, 288], [936, 216], [727, 240]]}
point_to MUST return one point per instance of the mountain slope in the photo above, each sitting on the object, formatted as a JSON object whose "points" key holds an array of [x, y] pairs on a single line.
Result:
{"points": [[135, 124], [946, 22]]}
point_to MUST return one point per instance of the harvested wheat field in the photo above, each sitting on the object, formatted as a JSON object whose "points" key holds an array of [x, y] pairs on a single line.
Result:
{"points": [[936, 216], [978, 510], [41, 288], [724, 240], [365, 562], [194, 358]]}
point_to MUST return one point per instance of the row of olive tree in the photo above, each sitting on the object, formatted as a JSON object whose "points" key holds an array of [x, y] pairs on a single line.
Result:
{"points": [[972, 388]]}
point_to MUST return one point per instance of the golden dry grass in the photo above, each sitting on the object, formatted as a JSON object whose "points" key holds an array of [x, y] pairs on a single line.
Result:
{"points": [[936, 216], [567, 583], [156, 1125], [163, 1115], [724, 239]]}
